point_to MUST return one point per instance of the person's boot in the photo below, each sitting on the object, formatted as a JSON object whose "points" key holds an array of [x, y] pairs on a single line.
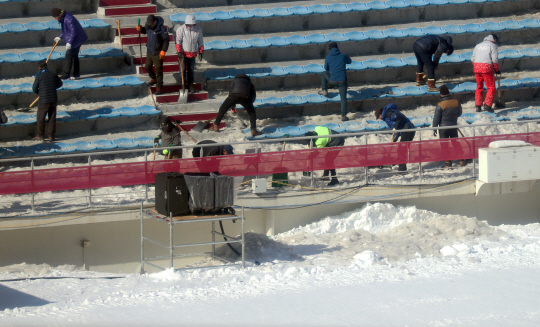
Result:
{"points": [[255, 132], [158, 91], [334, 181], [152, 82], [51, 138], [344, 118], [214, 128], [191, 88], [420, 79], [463, 163], [488, 108], [38, 138], [402, 167], [324, 93], [448, 164], [478, 108], [431, 86], [325, 176]]}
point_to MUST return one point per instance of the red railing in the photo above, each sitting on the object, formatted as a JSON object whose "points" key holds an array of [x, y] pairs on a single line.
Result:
{"points": [[58, 179]]}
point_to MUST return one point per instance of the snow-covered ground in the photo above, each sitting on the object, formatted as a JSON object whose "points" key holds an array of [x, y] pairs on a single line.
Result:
{"points": [[377, 266]]}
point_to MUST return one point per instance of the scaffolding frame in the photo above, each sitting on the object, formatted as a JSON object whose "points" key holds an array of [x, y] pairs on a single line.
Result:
{"points": [[171, 221]]}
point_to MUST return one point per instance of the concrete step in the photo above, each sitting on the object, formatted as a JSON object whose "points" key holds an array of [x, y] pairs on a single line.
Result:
{"points": [[354, 18], [131, 30], [167, 68], [113, 3], [176, 88], [145, 9], [43, 8], [220, 3], [173, 97], [169, 58], [133, 39]]}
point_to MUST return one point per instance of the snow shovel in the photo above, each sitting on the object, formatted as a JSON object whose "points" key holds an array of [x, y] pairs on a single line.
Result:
{"points": [[202, 125], [177, 124], [233, 109], [182, 95], [499, 104]]}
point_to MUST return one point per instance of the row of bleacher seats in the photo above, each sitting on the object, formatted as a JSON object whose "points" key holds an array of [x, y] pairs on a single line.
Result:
{"points": [[269, 132], [372, 34], [25, 119], [317, 9], [59, 55], [50, 25], [385, 92], [88, 83], [358, 65]]}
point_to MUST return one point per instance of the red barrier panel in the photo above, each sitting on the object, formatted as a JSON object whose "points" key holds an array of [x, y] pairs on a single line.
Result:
{"points": [[139, 173]]}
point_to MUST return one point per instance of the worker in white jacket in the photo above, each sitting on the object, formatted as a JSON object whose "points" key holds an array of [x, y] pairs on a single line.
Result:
{"points": [[189, 43], [485, 60]]}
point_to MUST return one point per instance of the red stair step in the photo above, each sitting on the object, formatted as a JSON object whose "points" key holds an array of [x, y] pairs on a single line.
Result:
{"points": [[132, 31], [134, 40], [105, 3], [194, 117], [173, 58], [173, 97], [167, 68], [189, 127], [176, 88], [127, 10]]}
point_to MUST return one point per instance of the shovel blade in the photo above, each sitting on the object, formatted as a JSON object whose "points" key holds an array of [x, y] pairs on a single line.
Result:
{"points": [[183, 96], [200, 126]]}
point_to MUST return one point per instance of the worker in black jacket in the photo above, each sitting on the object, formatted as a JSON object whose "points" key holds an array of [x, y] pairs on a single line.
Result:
{"points": [[45, 86], [426, 47], [211, 151], [446, 114], [156, 47], [169, 136], [242, 92]]}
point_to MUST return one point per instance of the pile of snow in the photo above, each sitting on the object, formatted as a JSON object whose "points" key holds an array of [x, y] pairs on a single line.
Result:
{"points": [[507, 143]]}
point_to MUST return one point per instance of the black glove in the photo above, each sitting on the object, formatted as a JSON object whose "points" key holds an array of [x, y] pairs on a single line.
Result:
{"points": [[180, 55], [435, 133], [200, 56], [156, 139], [498, 72]]}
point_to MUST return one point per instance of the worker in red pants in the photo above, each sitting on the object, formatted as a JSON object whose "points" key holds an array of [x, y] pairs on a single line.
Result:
{"points": [[485, 60]]}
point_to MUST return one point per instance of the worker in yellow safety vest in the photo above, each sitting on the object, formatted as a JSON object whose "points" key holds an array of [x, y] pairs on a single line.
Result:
{"points": [[326, 140]]}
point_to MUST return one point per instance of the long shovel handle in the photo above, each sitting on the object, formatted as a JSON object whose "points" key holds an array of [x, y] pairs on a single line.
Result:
{"points": [[50, 53], [119, 34], [152, 96], [183, 130], [154, 146], [499, 86], [461, 133]]}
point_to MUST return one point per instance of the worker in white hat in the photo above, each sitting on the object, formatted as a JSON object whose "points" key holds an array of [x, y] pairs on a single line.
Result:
{"points": [[189, 44]]}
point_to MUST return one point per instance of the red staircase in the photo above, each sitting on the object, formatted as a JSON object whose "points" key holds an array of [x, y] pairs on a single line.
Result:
{"points": [[170, 94], [109, 8], [188, 121]]}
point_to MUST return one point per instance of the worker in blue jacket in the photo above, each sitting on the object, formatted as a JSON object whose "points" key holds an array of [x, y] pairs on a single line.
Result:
{"points": [[335, 66], [74, 35], [396, 121]]}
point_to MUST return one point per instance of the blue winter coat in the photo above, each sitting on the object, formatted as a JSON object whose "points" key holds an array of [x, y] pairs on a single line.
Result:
{"points": [[158, 38], [395, 119], [336, 63], [72, 31]]}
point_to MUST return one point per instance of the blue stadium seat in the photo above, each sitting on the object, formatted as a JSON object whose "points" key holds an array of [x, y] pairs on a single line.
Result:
{"points": [[393, 62], [332, 126], [145, 110], [144, 141], [203, 17], [71, 85], [131, 80], [241, 14], [11, 57], [15, 28], [528, 52], [9, 89], [41, 149], [452, 58], [26, 88], [315, 98], [215, 75], [313, 68], [397, 4], [307, 128], [277, 71], [278, 11], [438, 2], [316, 38], [434, 30], [96, 23], [90, 83], [60, 147], [375, 34], [413, 31], [112, 82], [112, 52], [258, 43], [466, 55], [457, 2], [336, 37], [84, 114], [492, 27], [23, 119], [375, 125], [294, 100], [393, 32], [32, 56], [53, 25], [54, 56], [334, 97], [337, 7], [410, 61], [356, 65], [128, 111], [110, 113], [178, 18], [509, 84], [377, 5], [298, 10], [35, 26], [351, 127], [261, 13], [417, 3], [374, 64], [511, 25], [356, 36], [2, 29], [297, 39], [295, 70], [239, 44], [413, 90], [277, 40], [468, 86], [124, 143], [529, 23], [356, 6], [217, 45], [83, 146], [453, 29], [221, 15], [257, 72], [104, 145], [92, 53], [291, 131], [66, 116], [319, 9], [395, 92], [508, 53], [273, 102]]}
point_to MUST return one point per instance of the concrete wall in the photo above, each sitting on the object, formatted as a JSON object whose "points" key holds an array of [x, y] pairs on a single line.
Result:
{"points": [[43, 8]]}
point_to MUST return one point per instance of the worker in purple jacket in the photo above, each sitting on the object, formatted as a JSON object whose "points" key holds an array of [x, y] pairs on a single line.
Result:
{"points": [[74, 35]]}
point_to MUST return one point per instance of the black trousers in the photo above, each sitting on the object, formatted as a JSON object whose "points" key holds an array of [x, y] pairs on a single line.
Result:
{"points": [[71, 59], [240, 99], [406, 137], [44, 110], [423, 58], [331, 156], [153, 61], [189, 69], [450, 134]]}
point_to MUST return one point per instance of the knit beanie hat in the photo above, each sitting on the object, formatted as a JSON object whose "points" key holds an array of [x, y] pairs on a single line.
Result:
{"points": [[444, 90], [55, 12], [332, 45]]}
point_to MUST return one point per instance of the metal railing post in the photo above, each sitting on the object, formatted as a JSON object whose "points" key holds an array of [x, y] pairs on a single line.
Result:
{"points": [[474, 149], [32, 195], [366, 168], [90, 180], [311, 164], [243, 241], [171, 247], [142, 239], [146, 167], [420, 172]]}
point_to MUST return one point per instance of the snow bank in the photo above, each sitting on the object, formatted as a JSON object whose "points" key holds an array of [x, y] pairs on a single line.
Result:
{"points": [[507, 143]]}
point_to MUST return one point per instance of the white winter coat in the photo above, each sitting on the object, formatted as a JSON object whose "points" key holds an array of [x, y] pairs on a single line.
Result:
{"points": [[485, 56], [189, 40]]}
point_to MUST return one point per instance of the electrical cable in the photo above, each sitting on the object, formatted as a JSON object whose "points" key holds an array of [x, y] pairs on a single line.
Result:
{"points": [[225, 238], [58, 277]]}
